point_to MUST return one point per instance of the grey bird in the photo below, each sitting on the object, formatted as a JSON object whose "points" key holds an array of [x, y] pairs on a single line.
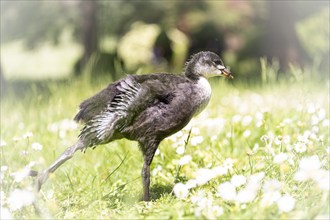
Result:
{"points": [[144, 108]]}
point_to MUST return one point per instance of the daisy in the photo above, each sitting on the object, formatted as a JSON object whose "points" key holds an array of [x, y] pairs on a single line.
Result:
{"points": [[286, 203], [185, 160], [238, 180], [226, 191], [180, 190], [20, 198], [36, 146]]}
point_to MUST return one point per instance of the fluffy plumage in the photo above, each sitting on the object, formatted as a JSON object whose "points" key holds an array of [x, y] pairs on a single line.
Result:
{"points": [[144, 108]]}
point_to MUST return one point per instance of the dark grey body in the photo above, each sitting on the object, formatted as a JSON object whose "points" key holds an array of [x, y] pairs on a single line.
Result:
{"points": [[163, 105], [144, 108]]}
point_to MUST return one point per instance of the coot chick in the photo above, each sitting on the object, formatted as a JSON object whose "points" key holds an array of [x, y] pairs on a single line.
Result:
{"points": [[144, 108]]}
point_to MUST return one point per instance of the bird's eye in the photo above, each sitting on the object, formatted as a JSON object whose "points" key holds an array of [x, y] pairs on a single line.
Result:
{"points": [[217, 62]]}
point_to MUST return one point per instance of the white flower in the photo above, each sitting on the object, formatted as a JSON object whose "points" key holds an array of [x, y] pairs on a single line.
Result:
{"points": [[272, 185], [204, 203], [180, 190], [314, 120], [219, 170], [269, 149], [195, 130], [256, 178], [265, 138], [226, 191], [286, 203], [246, 195], [195, 198], [326, 123], [196, 140], [27, 135], [270, 198], [228, 163], [321, 114], [31, 164], [49, 194], [300, 147], [278, 140], [249, 193], [62, 127], [315, 130], [156, 170], [280, 158], [328, 150], [185, 160], [180, 150], [322, 179], [4, 168], [246, 120], [259, 124], [36, 146], [286, 139], [259, 116], [254, 182], [255, 147], [291, 158], [311, 108], [217, 210], [287, 121], [204, 175], [304, 138], [229, 134], [21, 174], [20, 198], [246, 133], [16, 139], [68, 124], [308, 167], [238, 180], [236, 118], [2, 143], [192, 183], [198, 212]]}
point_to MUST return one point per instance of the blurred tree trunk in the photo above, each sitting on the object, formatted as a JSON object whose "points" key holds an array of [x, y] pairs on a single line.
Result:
{"points": [[88, 30], [281, 40]]}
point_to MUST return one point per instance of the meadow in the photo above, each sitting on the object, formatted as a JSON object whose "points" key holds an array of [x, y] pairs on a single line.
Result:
{"points": [[256, 152]]}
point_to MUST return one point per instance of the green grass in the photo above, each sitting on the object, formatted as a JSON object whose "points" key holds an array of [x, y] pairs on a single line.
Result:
{"points": [[232, 126]]}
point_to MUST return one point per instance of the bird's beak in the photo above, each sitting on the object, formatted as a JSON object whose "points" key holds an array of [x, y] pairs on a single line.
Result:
{"points": [[226, 72]]}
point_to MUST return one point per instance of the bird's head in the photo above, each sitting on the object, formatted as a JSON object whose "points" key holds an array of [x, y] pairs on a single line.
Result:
{"points": [[206, 64]]}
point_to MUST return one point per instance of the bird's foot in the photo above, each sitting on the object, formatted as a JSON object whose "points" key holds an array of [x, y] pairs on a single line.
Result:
{"points": [[42, 179]]}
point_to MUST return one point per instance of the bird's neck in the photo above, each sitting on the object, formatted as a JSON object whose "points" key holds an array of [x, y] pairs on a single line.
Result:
{"points": [[202, 93], [190, 70]]}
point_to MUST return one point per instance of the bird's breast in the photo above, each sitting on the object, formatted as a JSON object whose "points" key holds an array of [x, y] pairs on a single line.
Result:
{"points": [[202, 94]]}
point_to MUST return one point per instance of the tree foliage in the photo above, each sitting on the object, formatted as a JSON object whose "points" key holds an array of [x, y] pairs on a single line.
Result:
{"points": [[242, 31]]}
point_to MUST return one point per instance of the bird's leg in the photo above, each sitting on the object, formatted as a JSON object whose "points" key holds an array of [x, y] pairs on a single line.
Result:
{"points": [[148, 154], [146, 181], [66, 155]]}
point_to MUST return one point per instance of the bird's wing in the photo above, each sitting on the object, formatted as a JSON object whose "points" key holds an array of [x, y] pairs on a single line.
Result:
{"points": [[126, 98]]}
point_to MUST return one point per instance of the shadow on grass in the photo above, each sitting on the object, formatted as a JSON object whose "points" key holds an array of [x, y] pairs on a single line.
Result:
{"points": [[157, 190]]}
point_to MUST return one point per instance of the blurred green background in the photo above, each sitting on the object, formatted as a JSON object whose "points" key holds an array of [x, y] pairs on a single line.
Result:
{"points": [[62, 39], [56, 53]]}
